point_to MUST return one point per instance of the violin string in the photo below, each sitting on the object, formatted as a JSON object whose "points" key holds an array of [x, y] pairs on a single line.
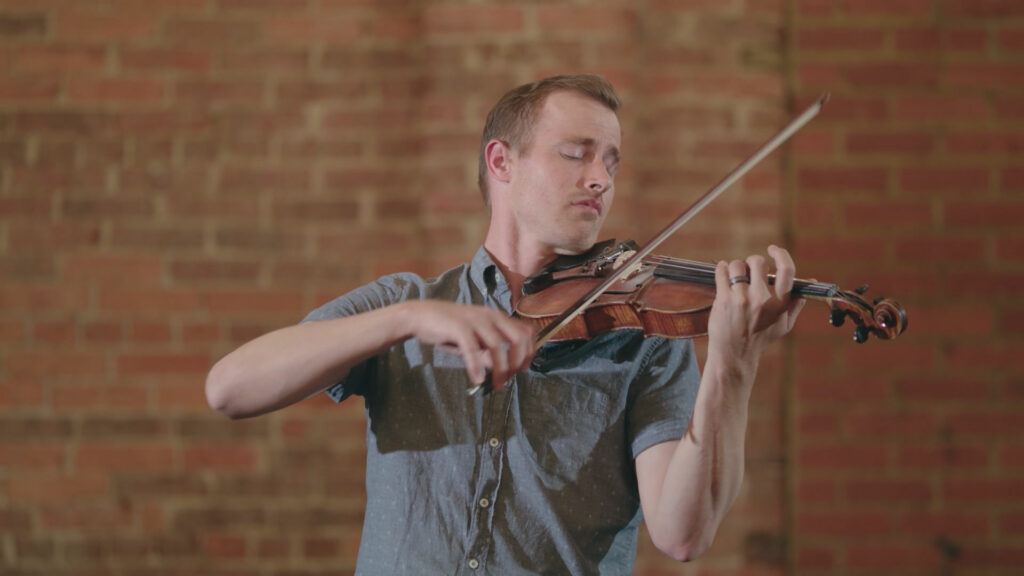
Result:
{"points": [[704, 272]]}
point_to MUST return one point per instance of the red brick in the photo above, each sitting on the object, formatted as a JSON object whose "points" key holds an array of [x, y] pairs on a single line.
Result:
{"points": [[887, 143], [51, 59], [984, 214], [217, 32], [51, 363], [115, 299], [907, 8], [932, 40], [1011, 457], [300, 31], [268, 303], [824, 491], [250, 6], [941, 249], [842, 458], [829, 179], [29, 90], [1008, 108], [903, 424], [941, 108], [1009, 557], [81, 398], [186, 395], [811, 559], [151, 332], [224, 546], [320, 547], [985, 424], [925, 556], [152, 59], [82, 27], [886, 492], [892, 75], [263, 61], [985, 76], [215, 271], [53, 489], [965, 181], [221, 457], [949, 524], [272, 548], [983, 8], [845, 524], [1013, 178], [86, 518], [983, 491], [891, 215], [1012, 523], [135, 364], [595, 20], [988, 144], [474, 20], [146, 269], [32, 457], [815, 40], [149, 457]]}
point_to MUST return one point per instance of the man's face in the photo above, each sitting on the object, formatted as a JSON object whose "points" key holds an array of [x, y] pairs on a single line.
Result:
{"points": [[562, 185]]}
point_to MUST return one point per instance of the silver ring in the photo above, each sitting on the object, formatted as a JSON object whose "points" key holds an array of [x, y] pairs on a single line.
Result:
{"points": [[738, 279]]}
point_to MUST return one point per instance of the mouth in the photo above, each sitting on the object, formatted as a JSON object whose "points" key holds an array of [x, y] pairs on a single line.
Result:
{"points": [[590, 204]]}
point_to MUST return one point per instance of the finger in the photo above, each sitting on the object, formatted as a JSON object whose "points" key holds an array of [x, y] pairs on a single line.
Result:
{"points": [[785, 271], [494, 346], [722, 280], [468, 350], [519, 336], [739, 276], [758, 278]]}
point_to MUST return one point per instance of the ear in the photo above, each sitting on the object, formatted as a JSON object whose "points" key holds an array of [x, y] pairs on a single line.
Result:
{"points": [[498, 156]]}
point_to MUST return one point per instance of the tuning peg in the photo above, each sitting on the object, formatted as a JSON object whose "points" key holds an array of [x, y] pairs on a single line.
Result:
{"points": [[860, 335], [862, 289], [837, 317]]}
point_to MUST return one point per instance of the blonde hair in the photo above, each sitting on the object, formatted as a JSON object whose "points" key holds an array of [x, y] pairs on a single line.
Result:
{"points": [[513, 117]]}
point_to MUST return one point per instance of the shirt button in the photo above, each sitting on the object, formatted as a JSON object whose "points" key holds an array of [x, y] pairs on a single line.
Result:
{"points": [[494, 442], [473, 563], [484, 502]]}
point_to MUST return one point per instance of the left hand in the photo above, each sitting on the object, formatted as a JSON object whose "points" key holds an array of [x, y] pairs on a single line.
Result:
{"points": [[748, 316]]}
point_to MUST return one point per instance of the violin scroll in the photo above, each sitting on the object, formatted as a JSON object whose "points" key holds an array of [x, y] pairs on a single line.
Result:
{"points": [[884, 317]]}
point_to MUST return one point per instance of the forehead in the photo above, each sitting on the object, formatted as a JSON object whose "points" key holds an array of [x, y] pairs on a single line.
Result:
{"points": [[572, 116]]}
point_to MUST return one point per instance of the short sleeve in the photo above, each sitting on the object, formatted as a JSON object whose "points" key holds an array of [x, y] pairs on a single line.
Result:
{"points": [[663, 394], [379, 294]]}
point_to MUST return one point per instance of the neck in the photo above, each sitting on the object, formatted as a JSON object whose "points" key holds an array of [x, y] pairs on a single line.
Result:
{"points": [[515, 258]]}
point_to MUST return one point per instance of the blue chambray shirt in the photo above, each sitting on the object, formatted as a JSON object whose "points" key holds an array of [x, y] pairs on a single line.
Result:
{"points": [[538, 478]]}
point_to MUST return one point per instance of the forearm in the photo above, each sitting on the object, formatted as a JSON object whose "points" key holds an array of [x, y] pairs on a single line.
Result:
{"points": [[293, 363], [705, 470]]}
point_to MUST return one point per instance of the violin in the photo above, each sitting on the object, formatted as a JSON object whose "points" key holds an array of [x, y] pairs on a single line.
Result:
{"points": [[628, 287], [671, 298]]}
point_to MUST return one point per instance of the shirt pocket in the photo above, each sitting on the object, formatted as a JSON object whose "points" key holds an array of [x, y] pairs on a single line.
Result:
{"points": [[564, 426]]}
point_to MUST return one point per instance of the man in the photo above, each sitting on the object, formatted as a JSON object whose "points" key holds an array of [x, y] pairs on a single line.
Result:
{"points": [[550, 471]]}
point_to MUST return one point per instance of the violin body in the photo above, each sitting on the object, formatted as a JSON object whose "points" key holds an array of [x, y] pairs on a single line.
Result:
{"points": [[658, 306]]}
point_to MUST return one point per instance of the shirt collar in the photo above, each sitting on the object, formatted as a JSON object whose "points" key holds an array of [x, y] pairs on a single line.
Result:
{"points": [[485, 273]]}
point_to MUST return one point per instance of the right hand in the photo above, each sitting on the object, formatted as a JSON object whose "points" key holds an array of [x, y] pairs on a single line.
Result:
{"points": [[487, 339]]}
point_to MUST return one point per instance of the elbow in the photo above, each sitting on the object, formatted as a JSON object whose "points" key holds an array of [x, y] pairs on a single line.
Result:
{"points": [[684, 549], [219, 383]]}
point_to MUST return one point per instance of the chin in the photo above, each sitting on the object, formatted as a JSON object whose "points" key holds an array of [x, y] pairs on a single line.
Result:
{"points": [[574, 245]]}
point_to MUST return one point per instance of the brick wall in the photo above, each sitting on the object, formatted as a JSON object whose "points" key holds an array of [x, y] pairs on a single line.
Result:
{"points": [[906, 457], [179, 176]]}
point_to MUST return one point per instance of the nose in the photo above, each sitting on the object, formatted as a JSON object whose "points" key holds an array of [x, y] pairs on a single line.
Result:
{"points": [[597, 178]]}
